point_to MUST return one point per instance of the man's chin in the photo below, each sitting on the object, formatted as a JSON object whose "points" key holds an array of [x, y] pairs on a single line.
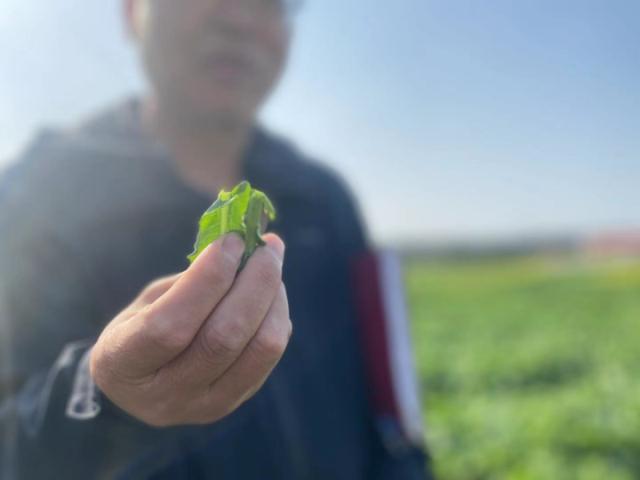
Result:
{"points": [[223, 101], [221, 116]]}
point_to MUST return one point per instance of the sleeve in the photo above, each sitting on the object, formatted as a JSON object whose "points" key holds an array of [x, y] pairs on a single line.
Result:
{"points": [[398, 449], [50, 316]]}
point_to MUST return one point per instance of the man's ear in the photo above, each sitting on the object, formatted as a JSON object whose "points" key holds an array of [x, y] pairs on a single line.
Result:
{"points": [[133, 12]]}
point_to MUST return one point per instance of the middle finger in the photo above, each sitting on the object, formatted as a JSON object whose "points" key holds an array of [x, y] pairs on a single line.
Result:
{"points": [[235, 320]]}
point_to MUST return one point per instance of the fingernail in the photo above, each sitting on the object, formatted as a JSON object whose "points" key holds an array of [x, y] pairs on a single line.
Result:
{"points": [[233, 246]]}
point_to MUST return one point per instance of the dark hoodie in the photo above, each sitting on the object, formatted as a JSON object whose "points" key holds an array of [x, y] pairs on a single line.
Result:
{"points": [[87, 218]]}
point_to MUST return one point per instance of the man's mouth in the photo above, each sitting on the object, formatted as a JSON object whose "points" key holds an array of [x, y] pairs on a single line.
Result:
{"points": [[228, 67]]}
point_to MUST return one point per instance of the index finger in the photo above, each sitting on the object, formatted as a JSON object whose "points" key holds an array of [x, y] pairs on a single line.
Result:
{"points": [[164, 328]]}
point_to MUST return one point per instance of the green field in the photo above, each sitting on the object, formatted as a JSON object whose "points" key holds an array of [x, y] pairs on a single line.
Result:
{"points": [[529, 368]]}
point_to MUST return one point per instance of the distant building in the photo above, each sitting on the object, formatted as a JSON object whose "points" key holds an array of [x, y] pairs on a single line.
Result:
{"points": [[614, 244]]}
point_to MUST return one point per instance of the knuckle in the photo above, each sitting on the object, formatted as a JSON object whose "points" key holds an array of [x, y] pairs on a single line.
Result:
{"points": [[152, 289], [103, 363], [145, 294], [206, 408], [155, 420], [254, 389], [217, 405], [98, 369], [271, 344], [161, 412], [225, 338], [161, 332], [211, 415]]}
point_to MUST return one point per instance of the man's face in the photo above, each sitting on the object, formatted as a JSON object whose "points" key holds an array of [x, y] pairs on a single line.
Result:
{"points": [[211, 59]]}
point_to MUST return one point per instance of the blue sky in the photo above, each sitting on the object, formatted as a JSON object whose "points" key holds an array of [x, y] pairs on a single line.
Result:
{"points": [[449, 118]]}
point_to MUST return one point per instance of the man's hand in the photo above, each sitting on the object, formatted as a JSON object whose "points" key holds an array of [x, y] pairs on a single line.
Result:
{"points": [[192, 347]]}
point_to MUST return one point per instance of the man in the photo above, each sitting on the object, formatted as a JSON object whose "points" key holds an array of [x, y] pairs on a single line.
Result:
{"points": [[169, 380]]}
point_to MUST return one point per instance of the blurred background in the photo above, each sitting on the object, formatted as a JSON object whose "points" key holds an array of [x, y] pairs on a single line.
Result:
{"points": [[497, 146]]}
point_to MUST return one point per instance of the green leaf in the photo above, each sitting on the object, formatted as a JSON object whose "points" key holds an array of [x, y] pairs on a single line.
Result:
{"points": [[243, 210]]}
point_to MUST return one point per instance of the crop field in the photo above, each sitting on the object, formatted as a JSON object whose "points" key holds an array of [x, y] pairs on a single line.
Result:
{"points": [[529, 367]]}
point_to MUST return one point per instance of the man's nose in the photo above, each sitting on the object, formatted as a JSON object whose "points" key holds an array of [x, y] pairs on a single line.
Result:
{"points": [[241, 14]]}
